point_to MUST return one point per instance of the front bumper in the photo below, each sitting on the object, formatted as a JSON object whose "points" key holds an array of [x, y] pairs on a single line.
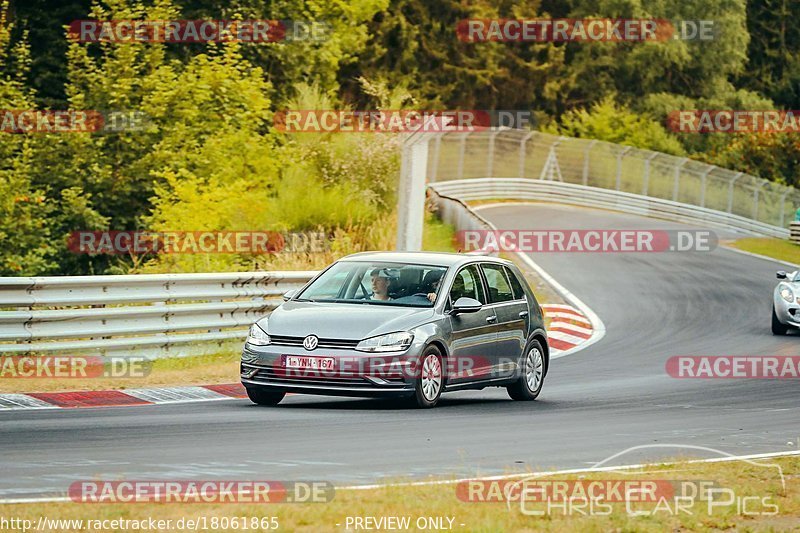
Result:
{"points": [[788, 313], [354, 373]]}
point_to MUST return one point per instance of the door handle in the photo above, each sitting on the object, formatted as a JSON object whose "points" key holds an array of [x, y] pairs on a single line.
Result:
{"points": [[523, 314], [491, 318]]}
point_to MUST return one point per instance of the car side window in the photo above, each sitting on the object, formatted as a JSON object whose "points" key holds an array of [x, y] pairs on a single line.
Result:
{"points": [[499, 288], [516, 285], [467, 283]]}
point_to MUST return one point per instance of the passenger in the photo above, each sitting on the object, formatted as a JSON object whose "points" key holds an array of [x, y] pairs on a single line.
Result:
{"points": [[381, 283]]}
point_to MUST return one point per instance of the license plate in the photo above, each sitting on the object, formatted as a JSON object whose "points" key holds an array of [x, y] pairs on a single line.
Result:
{"points": [[309, 363]]}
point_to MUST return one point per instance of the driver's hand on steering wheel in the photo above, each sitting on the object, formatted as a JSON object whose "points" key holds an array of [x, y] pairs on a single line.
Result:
{"points": [[431, 296]]}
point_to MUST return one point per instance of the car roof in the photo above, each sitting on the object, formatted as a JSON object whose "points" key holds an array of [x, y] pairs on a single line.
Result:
{"points": [[446, 259]]}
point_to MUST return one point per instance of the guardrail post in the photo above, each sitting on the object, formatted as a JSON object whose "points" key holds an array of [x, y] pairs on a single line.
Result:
{"points": [[703, 185], [677, 179], [585, 180], [620, 156], [730, 190], [522, 153], [646, 179]]}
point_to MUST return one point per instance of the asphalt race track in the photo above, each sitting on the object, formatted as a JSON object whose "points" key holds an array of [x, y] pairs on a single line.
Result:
{"points": [[613, 395]]}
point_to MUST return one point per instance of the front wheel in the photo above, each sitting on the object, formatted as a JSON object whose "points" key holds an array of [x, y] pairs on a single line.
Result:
{"points": [[529, 384], [265, 396], [430, 381], [777, 327]]}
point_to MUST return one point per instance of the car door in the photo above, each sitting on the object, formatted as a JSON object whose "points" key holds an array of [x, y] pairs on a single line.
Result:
{"points": [[512, 317], [474, 335]]}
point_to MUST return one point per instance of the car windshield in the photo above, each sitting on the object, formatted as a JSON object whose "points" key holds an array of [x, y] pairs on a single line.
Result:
{"points": [[376, 283]]}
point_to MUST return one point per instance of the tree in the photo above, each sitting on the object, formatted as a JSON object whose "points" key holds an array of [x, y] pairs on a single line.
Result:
{"points": [[609, 122], [25, 237]]}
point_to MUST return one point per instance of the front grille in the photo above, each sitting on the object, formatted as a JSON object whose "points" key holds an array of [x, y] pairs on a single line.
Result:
{"points": [[283, 340], [285, 376]]}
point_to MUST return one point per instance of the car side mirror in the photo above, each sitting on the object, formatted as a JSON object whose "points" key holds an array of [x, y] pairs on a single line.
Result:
{"points": [[780, 274], [466, 305], [289, 294]]}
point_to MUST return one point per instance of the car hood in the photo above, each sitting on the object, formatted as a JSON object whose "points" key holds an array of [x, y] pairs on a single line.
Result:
{"points": [[342, 321]]}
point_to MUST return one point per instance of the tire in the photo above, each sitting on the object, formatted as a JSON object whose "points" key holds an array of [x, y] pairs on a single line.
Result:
{"points": [[265, 396], [430, 381], [531, 378], [777, 327]]}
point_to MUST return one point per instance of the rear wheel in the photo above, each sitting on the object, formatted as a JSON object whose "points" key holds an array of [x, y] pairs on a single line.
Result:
{"points": [[430, 380], [529, 384], [777, 327], [265, 396]]}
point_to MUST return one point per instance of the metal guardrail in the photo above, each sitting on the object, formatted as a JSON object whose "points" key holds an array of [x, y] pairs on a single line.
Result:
{"points": [[152, 314], [794, 232], [554, 191], [507, 153]]}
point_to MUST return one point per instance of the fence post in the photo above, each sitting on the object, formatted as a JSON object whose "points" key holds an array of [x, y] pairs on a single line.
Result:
{"points": [[411, 193], [730, 190], [755, 199], [586, 162], [783, 207], [703, 185], [461, 154], [522, 153], [490, 154], [677, 178], [436, 147], [646, 180], [620, 156]]}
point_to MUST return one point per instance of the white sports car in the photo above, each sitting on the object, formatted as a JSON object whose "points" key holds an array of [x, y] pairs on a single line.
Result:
{"points": [[786, 303]]}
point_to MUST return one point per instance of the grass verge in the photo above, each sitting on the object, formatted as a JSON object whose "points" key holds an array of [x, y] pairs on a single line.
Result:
{"points": [[754, 500], [167, 372], [770, 247]]}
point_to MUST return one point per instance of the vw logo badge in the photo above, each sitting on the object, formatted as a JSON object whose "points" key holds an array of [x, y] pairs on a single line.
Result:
{"points": [[310, 342]]}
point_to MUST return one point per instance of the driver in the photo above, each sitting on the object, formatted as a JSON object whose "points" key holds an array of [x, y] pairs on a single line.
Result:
{"points": [[381, 283], [431, 283]]}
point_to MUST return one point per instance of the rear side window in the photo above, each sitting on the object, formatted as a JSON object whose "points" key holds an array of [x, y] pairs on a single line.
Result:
{"points": [[516, 285], [467, 283], [499, 288]]}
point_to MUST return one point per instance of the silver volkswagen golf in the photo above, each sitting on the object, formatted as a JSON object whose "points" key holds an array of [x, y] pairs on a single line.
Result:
{"points": [[400, 324]]}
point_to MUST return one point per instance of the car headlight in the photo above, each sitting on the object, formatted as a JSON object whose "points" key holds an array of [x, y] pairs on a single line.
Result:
{"points": [[787, 294], [257, 336], [393, 342]]}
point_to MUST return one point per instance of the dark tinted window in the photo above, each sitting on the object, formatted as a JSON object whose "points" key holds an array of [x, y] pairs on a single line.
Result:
{"points": [[468, 283], [516, 286], [499, 289]]}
